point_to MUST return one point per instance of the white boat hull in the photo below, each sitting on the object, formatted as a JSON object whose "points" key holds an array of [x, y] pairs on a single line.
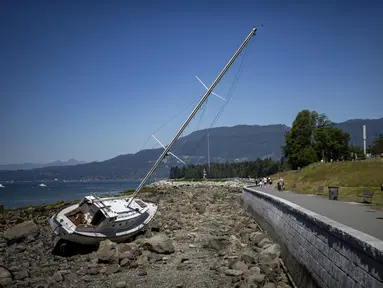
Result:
{"points": [[89, 240], [93, 238]]}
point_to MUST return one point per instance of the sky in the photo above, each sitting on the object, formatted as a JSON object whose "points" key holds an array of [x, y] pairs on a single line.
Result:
{"points": [[94, 79]]}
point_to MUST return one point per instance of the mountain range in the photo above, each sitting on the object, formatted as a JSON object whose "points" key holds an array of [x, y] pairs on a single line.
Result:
{"points": [[237, 143], [27, 166]]}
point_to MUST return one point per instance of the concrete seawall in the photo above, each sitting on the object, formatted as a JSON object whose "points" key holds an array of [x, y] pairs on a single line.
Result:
{"points": [[318, 251]]}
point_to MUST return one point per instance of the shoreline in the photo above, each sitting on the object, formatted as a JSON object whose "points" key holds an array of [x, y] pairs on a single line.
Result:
{"points": [[154, 185], [200, 237]]}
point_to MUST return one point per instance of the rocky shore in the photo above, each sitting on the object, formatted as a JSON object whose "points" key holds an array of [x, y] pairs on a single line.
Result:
{"points": [[201, 237]]}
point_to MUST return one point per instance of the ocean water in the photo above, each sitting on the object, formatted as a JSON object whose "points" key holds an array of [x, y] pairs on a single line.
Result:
{"points": [[21, 194]]}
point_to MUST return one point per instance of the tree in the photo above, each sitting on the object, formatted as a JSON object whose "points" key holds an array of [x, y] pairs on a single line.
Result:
{"points": [[377, 145], [300, 137], [313, 137], [332, 143]]}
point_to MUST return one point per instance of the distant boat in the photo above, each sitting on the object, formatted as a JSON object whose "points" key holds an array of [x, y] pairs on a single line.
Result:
{"points": [[42, 185], [2, 186]]}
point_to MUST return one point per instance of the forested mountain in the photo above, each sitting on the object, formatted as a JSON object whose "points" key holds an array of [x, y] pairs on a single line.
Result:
{"points": [[26, 166], [233, 144]]}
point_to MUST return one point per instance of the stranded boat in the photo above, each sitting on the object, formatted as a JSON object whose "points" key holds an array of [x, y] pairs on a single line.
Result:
{"points": [[95, 219], [119, 218]]}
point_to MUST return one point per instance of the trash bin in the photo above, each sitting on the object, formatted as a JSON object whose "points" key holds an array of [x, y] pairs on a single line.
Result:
{"points": [[333, 192]]}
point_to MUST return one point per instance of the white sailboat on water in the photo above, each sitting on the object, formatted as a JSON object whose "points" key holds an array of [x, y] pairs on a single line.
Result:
{"points": [[119, 218]]}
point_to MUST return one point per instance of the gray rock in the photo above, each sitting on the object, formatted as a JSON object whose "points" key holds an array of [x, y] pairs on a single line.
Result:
{"points": [[24, 283], [265, 241], [141, 272], [5, 273], [36, 280], [57, 277], [21, 231], [93, 271], [107, 252], [233, 272], [214, 243], [248, 256], [255, 270], [20, 275], [6, 282], [270, 285], [125, 262], [121, 284], [87, 278], [255, 279], [201, 208], [274, 251], [255, 237], [239, 265], [159, 243], [113, 268]]}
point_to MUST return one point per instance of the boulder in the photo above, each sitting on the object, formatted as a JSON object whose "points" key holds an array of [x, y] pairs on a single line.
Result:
{"points": [[107, 252], [4, 273], [159, 243], [21, 231]]}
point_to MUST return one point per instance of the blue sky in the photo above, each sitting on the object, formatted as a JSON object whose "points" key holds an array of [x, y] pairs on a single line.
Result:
{"points": [[93, 79]]}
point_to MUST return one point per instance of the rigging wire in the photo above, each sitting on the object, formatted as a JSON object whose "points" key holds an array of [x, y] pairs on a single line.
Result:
{"points": [[230, 94], [166, 123], [202, 114]]}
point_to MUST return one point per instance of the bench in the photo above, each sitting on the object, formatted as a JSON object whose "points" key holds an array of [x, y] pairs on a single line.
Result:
{"points": [[320, 190], [367, 194]]}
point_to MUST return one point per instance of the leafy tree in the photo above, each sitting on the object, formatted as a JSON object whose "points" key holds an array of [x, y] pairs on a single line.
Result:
{"points": [[299, 137], [377, 145], [332, 143], [312, 137]]}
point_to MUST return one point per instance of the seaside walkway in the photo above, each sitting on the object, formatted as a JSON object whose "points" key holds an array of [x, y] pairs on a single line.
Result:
{"points": [[358, 216]]}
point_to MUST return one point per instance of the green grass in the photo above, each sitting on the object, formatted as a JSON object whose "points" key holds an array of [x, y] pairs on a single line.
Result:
{"points": [[352, 178]]}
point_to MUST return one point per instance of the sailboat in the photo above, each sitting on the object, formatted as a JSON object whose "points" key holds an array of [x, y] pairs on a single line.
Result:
{"points": [[96, 219]]}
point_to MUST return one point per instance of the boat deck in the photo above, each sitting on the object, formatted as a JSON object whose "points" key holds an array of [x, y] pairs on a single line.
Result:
{"points": [[78, 219]]}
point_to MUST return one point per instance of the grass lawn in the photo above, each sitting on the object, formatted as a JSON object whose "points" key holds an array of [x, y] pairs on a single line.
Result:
{"points": [[352, 178]]}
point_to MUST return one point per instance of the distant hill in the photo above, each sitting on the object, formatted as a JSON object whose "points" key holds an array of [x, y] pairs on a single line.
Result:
{"points": [[374, 127], [238, 143], [27, 166]]}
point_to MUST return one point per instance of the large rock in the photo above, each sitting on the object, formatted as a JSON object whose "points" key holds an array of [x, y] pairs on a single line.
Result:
{"points": [[21, 231], [4, 273], [107, 252], [273, 251], [159, 243]]}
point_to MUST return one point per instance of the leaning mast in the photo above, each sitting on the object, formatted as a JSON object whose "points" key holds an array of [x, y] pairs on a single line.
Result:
{"points": [[195, 110]]}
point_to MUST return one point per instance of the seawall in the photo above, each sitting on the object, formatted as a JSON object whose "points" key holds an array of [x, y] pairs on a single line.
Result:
{"points": [[317, 251]]}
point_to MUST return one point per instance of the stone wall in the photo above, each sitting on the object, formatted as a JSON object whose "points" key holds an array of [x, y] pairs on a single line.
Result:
{"points": [[317, 250]]}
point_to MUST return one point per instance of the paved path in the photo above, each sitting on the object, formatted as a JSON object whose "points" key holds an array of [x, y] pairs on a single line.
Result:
{"points": [[359, 217]]}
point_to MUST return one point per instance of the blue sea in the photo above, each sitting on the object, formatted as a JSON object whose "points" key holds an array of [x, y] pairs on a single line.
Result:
{"points": [[21, 194]]}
